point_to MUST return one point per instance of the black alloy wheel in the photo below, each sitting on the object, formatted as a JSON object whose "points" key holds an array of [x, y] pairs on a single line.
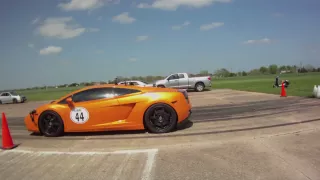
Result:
{"points": [[160, 118], [51, 124]]}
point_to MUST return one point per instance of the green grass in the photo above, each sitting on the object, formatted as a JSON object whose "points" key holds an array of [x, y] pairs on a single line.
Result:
{"points": [[300, 85]]}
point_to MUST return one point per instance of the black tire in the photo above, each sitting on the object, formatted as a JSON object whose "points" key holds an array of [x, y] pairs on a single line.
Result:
{"points": [[51, 120], [15, 101], [161, 86], [154, 122], [0, 102], [199, 87]]}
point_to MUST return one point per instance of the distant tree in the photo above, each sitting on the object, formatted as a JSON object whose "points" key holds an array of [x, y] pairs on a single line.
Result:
{"points": [[309, 67], [222, 72], [204, 73], [282, 68], [273, 69], [263, 69], [244, 73]]}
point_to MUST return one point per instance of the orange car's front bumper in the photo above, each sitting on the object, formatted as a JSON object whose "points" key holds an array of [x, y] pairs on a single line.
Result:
{"points": [[30, 123]]}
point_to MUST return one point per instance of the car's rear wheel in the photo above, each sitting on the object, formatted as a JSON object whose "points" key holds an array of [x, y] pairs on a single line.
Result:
{"points": [[51, 124], [161, 86], [199, 87], [160, 118], [0, 102]]}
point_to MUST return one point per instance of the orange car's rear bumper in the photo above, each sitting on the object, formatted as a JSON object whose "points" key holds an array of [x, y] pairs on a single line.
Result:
{"points": [[186, 117]]}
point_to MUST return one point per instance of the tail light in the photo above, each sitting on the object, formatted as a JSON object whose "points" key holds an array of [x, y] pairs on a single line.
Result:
{"points": [[209, 78]]}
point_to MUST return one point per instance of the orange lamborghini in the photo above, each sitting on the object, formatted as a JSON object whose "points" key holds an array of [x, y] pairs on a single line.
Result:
{"points": [[111, 107]]}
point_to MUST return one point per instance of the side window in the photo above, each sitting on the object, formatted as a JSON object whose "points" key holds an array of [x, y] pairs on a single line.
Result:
{"points": [[93, 94], [181, 76], [174, 76], [124, 91], [64, 101], [2, 94]]}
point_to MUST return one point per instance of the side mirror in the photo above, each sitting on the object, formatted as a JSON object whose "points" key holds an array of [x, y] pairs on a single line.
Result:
{"points": [[70, 102]]}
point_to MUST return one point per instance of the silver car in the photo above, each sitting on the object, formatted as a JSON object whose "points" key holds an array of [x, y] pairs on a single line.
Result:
{"points": [[11, 97], [183, 81]]}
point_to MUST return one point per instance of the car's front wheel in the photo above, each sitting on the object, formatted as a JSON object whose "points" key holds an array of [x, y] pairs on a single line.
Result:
{"points": [[51, 124], [160, 118]]}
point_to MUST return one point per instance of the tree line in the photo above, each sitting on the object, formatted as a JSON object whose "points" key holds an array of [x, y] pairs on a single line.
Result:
{"points": [[219, 73]]}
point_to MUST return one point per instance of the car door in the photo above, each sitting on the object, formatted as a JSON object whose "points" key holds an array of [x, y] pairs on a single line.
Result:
{"points": [[127, 101], [183, 81], [5, 98], [173, 81], [94, 109]]}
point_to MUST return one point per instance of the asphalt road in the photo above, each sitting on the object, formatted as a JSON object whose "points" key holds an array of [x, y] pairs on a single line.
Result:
{"points": [[267, 139]]}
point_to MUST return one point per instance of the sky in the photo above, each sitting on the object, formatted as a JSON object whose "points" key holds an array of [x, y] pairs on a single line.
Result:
{"points": [[50, 42]]}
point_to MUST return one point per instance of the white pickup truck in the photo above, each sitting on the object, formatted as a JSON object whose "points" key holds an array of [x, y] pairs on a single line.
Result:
{"points": [[183, 81]]}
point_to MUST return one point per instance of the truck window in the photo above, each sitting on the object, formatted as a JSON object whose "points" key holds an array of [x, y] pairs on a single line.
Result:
{"points": [[181, 76], [174, 76]]}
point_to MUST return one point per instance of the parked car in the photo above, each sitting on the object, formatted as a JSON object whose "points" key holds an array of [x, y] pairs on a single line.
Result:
{"points": [[136, 83], [11, 97], [183, 81]]}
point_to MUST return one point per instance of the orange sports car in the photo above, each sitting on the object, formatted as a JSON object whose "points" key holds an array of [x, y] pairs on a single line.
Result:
{"points": [[111, 107]]}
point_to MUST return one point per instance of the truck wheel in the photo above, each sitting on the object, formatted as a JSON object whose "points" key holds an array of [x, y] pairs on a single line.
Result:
{"points": [[0, 102], [15, 101], [199, 87]]}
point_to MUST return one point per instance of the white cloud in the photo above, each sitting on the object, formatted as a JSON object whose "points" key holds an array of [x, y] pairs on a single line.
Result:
{"points": [[213, 25], [178, 27], [123, 18], [30, 45], [173, 5], [132, 59], [258, 41], [50, 50], [80, 5], [83, 5], [142, 38], [62, 28]]}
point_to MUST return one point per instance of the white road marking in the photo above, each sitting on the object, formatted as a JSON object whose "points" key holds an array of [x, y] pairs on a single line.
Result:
{"points": [[149, 165], [135, 151], [147, 171]]}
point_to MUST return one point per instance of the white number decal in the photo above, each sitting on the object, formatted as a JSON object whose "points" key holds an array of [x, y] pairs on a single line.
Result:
{"points": [[79, 115]]}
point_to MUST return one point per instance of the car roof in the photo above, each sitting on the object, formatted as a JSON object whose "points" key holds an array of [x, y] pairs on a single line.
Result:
{"points": [[143, 89]]}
